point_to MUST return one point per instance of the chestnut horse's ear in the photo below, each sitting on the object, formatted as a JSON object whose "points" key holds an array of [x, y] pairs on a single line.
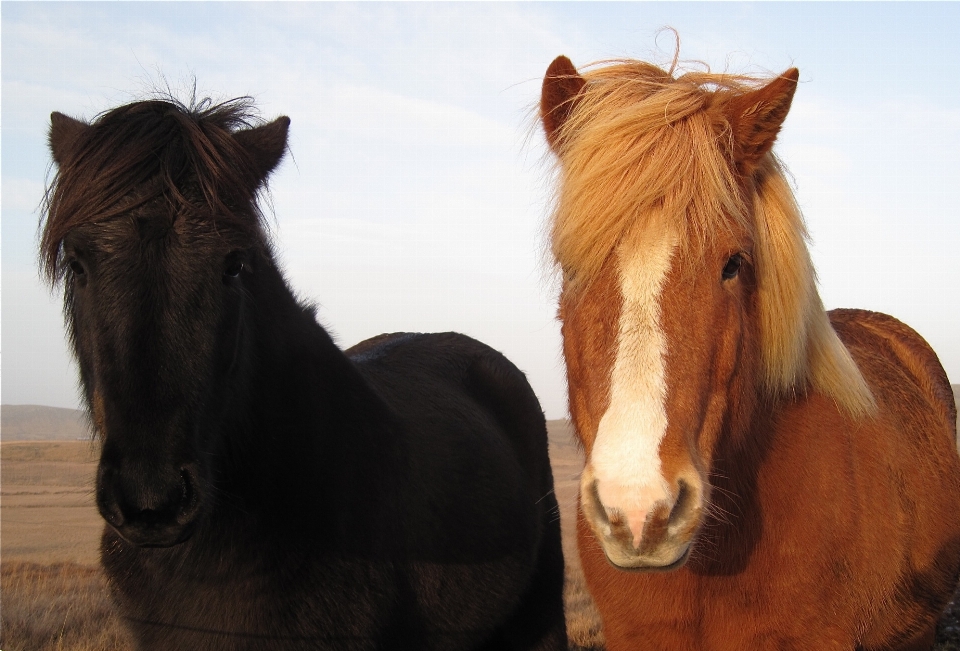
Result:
{"points": [[64, 131], [561, 86], [755, 119], [266, 145]]}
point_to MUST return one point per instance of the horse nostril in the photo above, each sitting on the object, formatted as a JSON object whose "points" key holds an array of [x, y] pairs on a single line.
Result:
{"points": [[685, 511], [185, 486], [683, 497], [189, 497], [107, 501]]}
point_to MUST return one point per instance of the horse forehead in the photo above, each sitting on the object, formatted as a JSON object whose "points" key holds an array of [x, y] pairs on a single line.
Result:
{"points": [[151, 239], [148, 268], [642, 273], [626, 297]]}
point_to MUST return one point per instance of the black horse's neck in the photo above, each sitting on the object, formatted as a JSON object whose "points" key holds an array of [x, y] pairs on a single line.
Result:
{"points": [[306, 433]]}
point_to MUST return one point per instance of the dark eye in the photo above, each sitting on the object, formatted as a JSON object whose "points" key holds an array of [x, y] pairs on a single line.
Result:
{"points": [[732, 268], [233, 265], [77, 268]]}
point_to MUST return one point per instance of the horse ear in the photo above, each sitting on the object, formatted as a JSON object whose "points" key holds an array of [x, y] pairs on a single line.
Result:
{"points": [[64, 131], [755, 119], [266, 145], [561, 87]]}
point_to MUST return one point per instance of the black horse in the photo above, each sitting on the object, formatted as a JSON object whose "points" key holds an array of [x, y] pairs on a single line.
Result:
{"points": [[264, 489]]}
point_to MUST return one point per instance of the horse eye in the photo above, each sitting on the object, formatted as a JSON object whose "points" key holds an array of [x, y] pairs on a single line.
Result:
{"points": [[77, 268], [233, 268], [732, 268]]}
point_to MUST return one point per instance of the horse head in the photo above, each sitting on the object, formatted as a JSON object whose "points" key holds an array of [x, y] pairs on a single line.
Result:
{"points": [[152, 226], [688, 292]]}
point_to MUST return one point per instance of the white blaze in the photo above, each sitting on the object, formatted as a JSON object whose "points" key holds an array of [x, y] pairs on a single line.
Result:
{"points": [[625, 458]]}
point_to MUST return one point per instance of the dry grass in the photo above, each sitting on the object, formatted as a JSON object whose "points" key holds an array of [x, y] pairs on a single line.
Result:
{"points": [[48, 508], [584, 630], [53, 607], [583, 622]]}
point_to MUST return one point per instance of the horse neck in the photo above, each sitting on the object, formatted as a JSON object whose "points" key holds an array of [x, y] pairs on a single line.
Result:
{"points": [[309, 421], [745, 441]]}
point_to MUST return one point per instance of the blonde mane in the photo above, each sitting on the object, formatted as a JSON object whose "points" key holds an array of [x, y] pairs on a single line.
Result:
{"points": [[642, 151]]}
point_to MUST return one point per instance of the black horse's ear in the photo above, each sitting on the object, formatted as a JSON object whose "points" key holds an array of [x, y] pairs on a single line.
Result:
{"points": [[265, 144], [561, 87], [64, 131]]}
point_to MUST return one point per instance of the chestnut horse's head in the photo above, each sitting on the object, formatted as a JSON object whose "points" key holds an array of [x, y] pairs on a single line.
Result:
{"points": [[688, 292], [151, 224]]}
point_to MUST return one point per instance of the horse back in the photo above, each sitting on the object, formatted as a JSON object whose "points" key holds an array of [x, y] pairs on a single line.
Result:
{"points": [[469, 376], [899, 364], [473, 434]]}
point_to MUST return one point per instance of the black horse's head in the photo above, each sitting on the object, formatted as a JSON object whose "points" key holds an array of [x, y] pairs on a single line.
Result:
{"points": [[152, 225]]}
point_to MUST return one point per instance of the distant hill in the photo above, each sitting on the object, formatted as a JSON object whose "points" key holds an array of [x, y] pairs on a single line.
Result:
{"points": [[39, 423]]}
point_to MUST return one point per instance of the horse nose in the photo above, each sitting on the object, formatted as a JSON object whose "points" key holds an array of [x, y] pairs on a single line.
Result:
{"points": [[149, 508], [658, 537]]}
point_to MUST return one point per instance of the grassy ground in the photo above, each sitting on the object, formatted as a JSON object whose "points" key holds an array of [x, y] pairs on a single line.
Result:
{"points": [[58, 606]]}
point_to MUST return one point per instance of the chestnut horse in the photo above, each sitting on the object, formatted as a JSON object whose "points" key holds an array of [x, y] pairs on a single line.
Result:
{"points": [[773, 476], [262, 488]]}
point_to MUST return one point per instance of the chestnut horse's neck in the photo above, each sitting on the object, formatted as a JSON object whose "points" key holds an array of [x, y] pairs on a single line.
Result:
{"points": [[732, 527]]}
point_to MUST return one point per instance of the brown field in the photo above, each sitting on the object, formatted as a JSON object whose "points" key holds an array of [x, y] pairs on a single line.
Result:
{"points": [[54, 596]]}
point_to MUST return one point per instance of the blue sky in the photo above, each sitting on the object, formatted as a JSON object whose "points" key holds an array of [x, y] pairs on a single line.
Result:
{"points": [[418, 189]]}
